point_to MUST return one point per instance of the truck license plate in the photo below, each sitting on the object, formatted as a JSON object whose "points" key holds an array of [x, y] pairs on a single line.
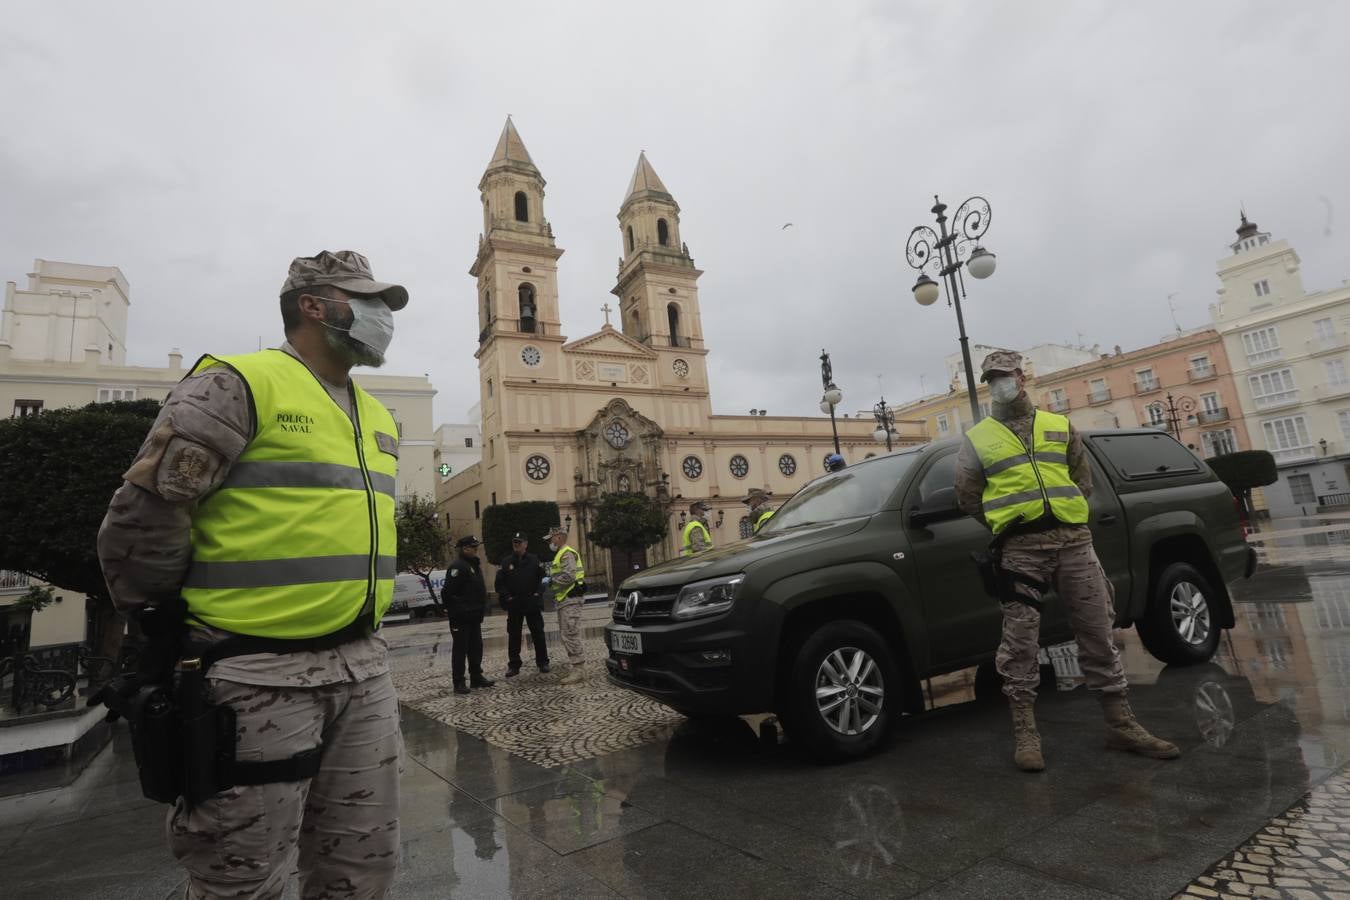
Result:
{"points": [[625, 642]]}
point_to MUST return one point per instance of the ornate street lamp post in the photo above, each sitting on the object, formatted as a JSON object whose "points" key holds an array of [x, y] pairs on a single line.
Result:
{"points": [[832, 396], [1172, 411], [943, 253], [885, 417]]}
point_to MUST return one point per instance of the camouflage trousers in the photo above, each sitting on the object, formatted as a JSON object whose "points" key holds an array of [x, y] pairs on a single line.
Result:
{"points": [[1087, 596], [569, 624], [341, 826]]}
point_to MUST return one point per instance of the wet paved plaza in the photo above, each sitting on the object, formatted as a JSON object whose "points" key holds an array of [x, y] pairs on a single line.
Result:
{"points": [[1258, 805]]}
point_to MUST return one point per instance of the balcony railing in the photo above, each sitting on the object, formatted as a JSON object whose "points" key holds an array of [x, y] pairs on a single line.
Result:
{"points": [[1329, 344], [1057, 405], [13, 581], [1202, 373], [1212, 416], [1331, 501], [1097, 398], [1335, 391], [1265, 357], [1147, 386], [1293, 454], [1275, 401]]}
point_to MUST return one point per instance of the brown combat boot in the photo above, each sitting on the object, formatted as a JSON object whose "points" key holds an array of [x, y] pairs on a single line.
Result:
{"points": [[1026, 739], [1123, 731]]}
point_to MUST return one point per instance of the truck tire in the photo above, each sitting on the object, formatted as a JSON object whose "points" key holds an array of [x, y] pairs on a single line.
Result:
{"points": [[843, 692], [1179, 626]]}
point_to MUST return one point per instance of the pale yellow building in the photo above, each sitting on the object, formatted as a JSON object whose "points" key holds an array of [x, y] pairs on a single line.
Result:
{"points": [[63, 344], [628, 407]]}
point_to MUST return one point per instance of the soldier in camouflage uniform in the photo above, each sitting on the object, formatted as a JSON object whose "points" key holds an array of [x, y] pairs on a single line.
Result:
{"points": [[342, 826], [1059, 554]]}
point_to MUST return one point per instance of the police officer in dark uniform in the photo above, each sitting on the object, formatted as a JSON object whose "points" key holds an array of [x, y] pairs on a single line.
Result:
{"points": [[465, 599], [518, 578]]}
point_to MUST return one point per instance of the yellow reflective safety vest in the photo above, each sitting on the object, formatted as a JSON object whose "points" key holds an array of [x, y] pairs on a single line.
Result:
{"points": [[687, 540], [1024, 483], [556, 567], [764, 517], [299, 539]]}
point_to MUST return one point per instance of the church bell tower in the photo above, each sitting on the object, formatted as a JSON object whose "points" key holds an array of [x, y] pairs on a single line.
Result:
{"points": [[658, 283]]}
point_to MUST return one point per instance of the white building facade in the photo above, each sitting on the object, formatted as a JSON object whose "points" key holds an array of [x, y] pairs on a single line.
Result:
{"points": [[1290, 354]]}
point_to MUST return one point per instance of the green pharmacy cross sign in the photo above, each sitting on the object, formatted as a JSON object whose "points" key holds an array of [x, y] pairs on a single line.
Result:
{"points": [[444, 469]]}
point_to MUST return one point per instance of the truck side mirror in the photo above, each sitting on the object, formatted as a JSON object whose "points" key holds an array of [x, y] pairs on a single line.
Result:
{"points": [[938, 506]]}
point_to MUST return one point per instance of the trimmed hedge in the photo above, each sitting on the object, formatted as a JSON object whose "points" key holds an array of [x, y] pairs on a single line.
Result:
{"points": [[531, 517], [1245, 469]]}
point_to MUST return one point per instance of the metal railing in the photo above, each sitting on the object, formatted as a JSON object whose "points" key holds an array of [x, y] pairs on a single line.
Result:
{"points": [[1328, 344], [1147, 387], [1095, 398], [13, 581], [1212, 416], [1293, 454], [1057, 405], [1202, 373], [1332, 391], [1274, 401], [1328, 501]]}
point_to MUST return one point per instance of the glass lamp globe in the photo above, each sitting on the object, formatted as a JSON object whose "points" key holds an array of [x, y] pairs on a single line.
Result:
{"points": [[879, 435], [926, 290], [981, 263], [825, 406], [833, 395]]}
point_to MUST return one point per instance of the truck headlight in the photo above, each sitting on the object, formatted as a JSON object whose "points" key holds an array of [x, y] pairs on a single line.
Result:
{"points": [[706, 598]]}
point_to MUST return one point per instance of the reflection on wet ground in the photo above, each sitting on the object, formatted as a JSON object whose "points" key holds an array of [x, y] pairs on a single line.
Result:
{"points": [[713, 810]]}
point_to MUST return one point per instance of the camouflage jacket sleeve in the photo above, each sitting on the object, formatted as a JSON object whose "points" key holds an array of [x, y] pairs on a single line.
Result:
{"points": [[1080, 468], [567, 572], [970, 481], [145, 542]]}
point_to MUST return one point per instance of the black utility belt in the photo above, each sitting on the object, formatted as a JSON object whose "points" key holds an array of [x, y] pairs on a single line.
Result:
{"points": [[185, 745]]}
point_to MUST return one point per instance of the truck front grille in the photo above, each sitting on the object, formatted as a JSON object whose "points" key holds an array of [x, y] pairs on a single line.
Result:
{"points": [[650, 607]]}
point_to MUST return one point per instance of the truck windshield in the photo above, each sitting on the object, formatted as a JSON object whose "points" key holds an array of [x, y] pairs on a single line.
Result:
{"points": [[859, 490]]}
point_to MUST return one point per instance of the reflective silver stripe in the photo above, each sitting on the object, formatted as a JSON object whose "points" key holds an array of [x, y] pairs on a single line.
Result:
{"points": [[1013, 499], [1050, 456], [264, 573], [1066, 491], [1004, 464], [285, 474]]}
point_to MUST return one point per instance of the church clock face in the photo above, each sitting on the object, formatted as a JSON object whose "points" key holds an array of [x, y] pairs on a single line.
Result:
{"points": [[617, 435], [531, 356], [681, 368]]}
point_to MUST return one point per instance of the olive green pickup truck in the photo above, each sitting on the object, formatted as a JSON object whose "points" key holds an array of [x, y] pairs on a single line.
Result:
{"points": [[865, 578]]}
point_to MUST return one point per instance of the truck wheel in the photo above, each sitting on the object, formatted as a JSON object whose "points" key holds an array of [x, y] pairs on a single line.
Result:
{"points": [[1179, 627], [843, 692]]}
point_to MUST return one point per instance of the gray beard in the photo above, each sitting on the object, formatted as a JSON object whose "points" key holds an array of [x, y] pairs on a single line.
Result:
{"points": [[352, 351]]}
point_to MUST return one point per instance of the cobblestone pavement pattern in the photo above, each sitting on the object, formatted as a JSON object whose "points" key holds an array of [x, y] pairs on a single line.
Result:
{"points": [[535, 717], [1303, 854]]}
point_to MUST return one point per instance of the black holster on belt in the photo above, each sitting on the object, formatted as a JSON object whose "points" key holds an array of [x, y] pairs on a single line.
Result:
{"points": [[1000, 582], [185, 745]]}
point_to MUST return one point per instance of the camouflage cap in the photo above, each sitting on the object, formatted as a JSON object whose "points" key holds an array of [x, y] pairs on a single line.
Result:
{"points": [[345, 269], [1000, 361], [755, 495], [556, 529], [699, 504]]}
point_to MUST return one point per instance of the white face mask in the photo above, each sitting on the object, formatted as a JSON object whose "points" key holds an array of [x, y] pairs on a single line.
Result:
{"points": [[1003, 390], [372, 322]]}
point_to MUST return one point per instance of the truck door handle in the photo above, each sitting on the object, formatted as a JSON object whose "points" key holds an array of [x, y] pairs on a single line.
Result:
{"points": [[1107, 519]]}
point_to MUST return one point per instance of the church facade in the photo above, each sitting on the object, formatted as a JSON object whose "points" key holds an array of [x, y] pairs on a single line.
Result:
{"points": [[628, 408]]}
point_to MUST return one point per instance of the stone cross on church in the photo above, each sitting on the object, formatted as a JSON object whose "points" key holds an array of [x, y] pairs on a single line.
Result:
{"points": [[606, 310]]}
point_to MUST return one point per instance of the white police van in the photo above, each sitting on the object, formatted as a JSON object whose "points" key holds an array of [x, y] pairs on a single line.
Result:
{"points": [[412, 600]]}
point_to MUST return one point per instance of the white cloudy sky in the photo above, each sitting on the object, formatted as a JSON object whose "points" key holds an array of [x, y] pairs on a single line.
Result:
{"points": [[199, 147]]}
